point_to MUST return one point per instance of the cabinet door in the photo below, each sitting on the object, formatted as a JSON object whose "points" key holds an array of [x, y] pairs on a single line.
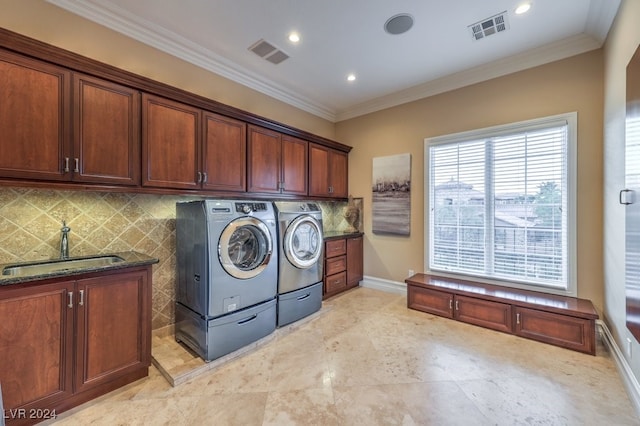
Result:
{"points": [[264, 160], [294, 165], [113, 327], [354, 261], [36, 345], [431, 301], [560, 330], [224, 149], [484, 313], [318, 170], [106, 132], [34, 118], [338, 174], [170, 143]]}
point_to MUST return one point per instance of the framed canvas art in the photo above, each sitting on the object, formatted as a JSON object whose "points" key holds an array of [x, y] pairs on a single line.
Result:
{"points": [[391, 198]]}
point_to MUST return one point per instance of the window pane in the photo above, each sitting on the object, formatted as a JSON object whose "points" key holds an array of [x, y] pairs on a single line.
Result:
{"points": [[499, 206]]}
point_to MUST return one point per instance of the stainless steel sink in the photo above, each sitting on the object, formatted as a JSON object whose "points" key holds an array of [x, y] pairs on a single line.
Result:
{"points": [[60, 265]]}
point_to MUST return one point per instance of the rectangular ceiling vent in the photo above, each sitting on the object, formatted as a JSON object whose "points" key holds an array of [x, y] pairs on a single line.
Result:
{"points": [[496, 24], [268, 51]]}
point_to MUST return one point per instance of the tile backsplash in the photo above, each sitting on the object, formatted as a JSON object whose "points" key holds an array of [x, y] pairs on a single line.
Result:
{"points": [[105, 222]]}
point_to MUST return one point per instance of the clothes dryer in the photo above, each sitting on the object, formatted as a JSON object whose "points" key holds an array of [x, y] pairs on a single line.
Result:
{"points": [[300, 264], [227, 265]]}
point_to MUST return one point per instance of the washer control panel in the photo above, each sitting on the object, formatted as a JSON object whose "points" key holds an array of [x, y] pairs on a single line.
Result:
{"points": [[250, 207]]}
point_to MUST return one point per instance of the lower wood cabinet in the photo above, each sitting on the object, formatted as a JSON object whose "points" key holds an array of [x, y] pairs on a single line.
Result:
{"points": [[494, 315], [64, 342], [343, 264], [558, 320], [560, 330]]}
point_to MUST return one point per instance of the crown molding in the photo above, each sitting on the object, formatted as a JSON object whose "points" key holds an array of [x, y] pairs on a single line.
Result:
{"points": [[600, 16], [117, 19]]}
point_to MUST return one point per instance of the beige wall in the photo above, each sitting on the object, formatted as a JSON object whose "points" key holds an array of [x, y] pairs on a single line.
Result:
{"points": [[573, 84], [42, 21], [622, 42]]}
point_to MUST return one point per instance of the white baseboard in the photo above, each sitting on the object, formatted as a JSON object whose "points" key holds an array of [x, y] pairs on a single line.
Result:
{"points": [[628, 378], [384, 285]]}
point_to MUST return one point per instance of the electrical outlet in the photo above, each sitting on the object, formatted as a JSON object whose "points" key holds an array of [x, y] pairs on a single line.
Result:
{"points": [[411, 272], [629, 347]]}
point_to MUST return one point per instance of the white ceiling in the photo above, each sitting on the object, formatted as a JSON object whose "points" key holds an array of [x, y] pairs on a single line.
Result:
{"points": [[339, 37]]}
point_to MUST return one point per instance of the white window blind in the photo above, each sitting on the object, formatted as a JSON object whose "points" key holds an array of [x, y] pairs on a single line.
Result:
{"points": [[499, 203]]}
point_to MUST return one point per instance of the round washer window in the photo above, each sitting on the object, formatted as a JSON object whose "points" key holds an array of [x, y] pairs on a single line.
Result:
{"points": [[245, 247]]}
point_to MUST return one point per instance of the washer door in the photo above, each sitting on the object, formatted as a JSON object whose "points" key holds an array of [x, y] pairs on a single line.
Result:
{"points": [[303, 242], [245, 247]]}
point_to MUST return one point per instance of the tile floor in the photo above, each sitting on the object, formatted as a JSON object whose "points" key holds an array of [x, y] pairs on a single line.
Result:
{"points": [[368, 360]]}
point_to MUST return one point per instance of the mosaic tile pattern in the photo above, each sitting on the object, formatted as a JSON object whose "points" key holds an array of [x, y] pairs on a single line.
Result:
{"points": [[30, 222]]}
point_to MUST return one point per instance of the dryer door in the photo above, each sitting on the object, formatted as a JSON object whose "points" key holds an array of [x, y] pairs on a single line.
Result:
{"points": [[303, 242], [245, 247]]}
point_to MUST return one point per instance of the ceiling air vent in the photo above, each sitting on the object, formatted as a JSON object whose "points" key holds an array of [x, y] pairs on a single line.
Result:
{"points": [[489, 26], [268, 51]]}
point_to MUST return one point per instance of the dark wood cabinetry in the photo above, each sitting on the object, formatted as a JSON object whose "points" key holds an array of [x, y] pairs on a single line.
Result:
{"points": [[224, 150], [95, 138], [277, 163], [184, 147], [67, 119], [35, 102], [355, 261], [559, 320], [343, 264], [67, 341], [170, 143], [328, 172], [106, 139]]}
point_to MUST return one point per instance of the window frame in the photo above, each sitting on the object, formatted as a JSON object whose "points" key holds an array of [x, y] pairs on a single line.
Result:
{"points": [[571, 119]]}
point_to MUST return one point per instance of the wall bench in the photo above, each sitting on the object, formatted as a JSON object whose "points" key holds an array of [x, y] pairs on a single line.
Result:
{"points": [[562, 321]]}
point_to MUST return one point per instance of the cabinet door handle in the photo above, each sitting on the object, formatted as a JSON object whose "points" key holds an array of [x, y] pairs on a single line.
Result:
{"points": [[81, 302], [450, 303], [77, 165], [204, 177], [70, 305], [199, 177], [518, 318], [457, 306], [66, 164]]}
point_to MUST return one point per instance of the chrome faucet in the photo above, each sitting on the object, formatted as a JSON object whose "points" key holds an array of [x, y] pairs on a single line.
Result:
{"points": [[64, 241]]}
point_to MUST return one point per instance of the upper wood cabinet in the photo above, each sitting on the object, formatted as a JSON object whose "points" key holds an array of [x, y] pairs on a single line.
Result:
{"points": [[106, 138], [39, 140], [224, 151], [277, 163], [185, 147], [34, 118], [328, 172], [170, 143]]}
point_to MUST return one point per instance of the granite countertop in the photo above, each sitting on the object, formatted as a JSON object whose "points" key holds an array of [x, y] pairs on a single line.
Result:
{"points": [[335, 235], [129, 259]]}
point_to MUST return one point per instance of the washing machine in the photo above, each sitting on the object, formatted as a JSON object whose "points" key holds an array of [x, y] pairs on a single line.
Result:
{"points": [[300, 264], [227, 274]]}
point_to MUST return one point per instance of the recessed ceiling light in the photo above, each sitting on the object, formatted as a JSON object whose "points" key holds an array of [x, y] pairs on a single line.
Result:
{"points": [[351, 77], [294, 37], [523, 8]]}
